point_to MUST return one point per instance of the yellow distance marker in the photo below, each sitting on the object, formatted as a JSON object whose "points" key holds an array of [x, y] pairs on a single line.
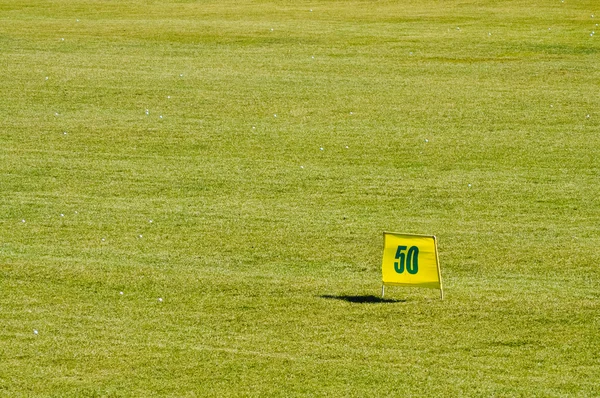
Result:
{"points": [[410, 260]]}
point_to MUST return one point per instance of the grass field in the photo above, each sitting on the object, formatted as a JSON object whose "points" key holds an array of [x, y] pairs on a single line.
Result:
{"points": [[193, 196]]}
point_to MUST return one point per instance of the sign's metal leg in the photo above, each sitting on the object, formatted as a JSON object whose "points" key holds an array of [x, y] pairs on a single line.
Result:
{"points": [[382, 290]]}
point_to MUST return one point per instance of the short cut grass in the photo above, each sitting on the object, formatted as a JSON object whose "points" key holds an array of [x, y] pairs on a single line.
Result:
{"points": [[193, 196]]}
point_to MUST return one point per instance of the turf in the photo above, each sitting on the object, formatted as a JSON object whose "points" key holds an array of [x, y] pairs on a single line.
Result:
{"points": [[194, 195]]}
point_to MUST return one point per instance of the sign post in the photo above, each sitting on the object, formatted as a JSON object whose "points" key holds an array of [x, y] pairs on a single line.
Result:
{"points": [[410, 260]]}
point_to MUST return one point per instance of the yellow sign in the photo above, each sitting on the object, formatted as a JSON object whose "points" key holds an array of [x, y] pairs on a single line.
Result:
{"points": [[410, 260]]}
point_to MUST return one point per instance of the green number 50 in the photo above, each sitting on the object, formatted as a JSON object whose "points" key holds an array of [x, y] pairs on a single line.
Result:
{"points": [[410, 258]]}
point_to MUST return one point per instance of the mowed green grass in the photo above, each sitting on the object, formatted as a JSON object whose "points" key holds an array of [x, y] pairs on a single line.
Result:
{"points": [[193, 196]]}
